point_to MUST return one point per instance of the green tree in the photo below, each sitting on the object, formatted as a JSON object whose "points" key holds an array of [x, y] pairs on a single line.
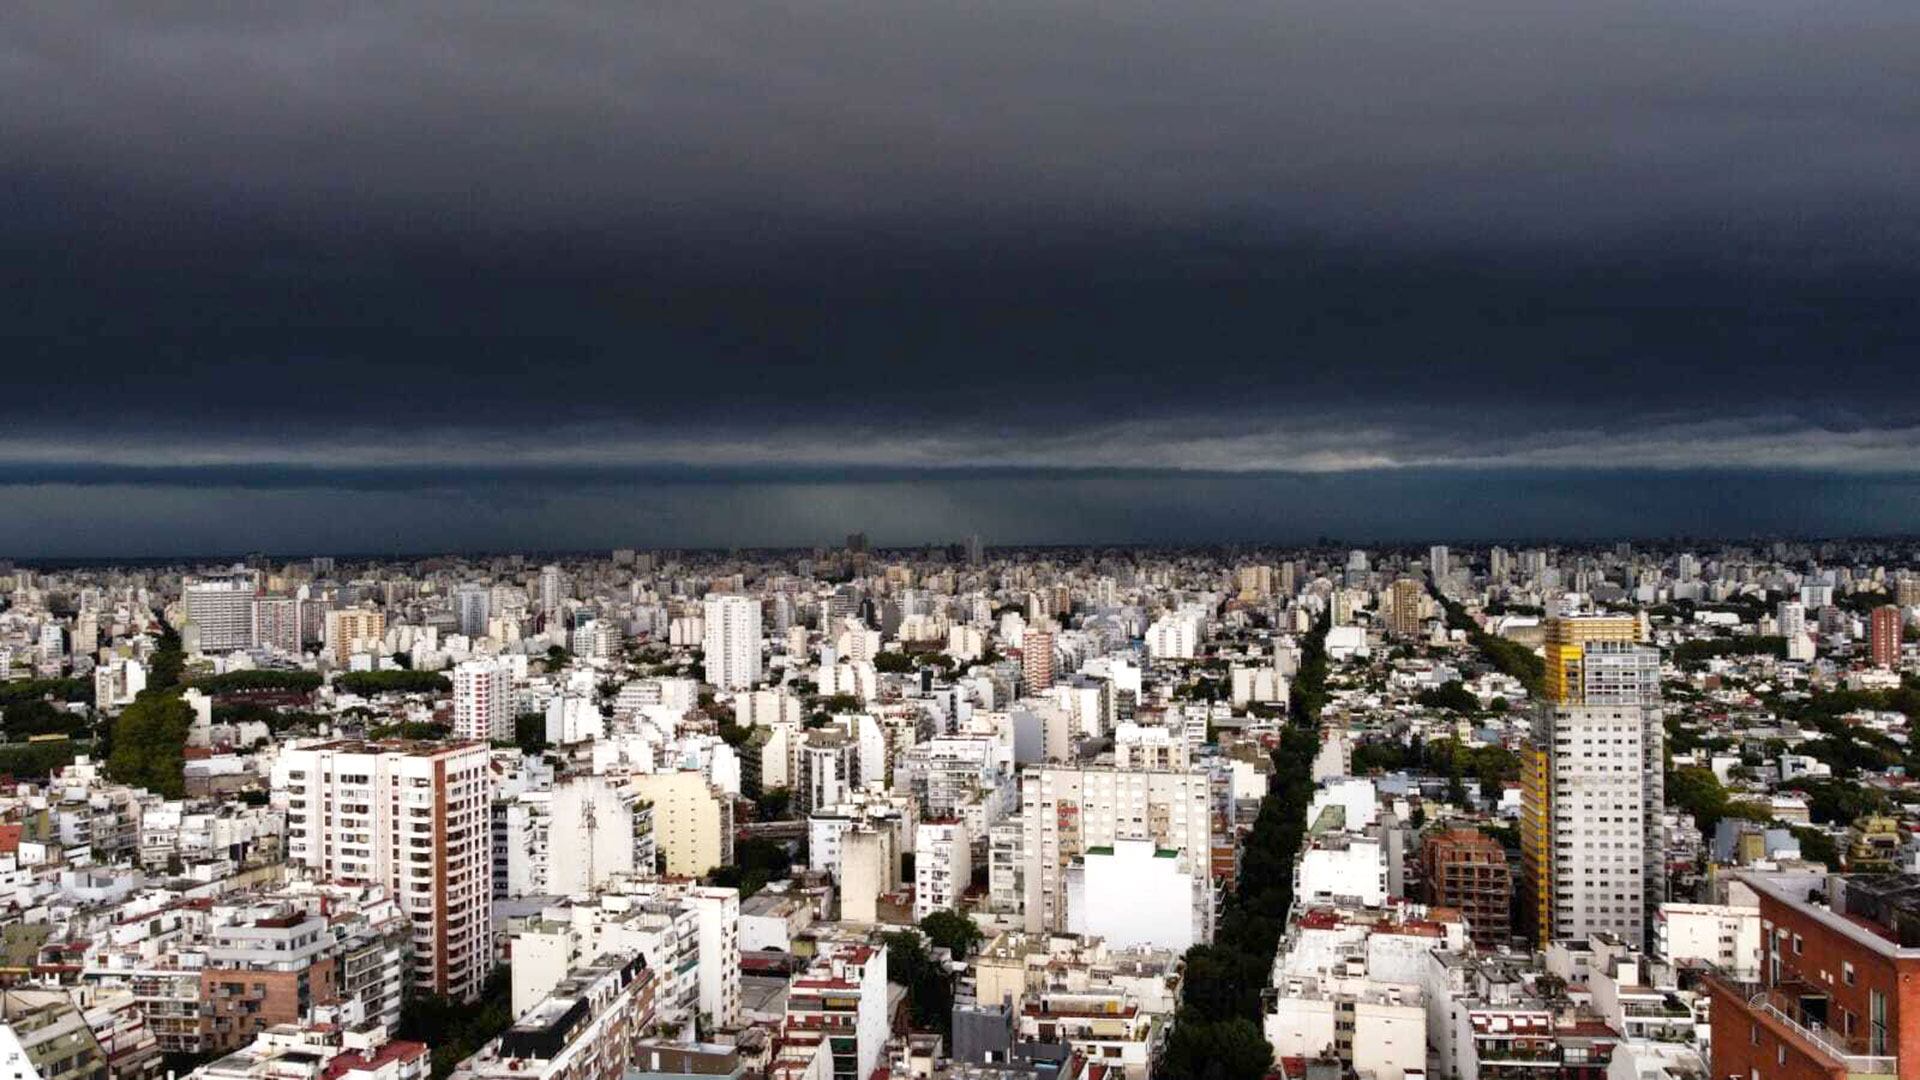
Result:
{"points": [[1452, 694], [25, 719], [149, 744], [954, 931], [929, 985], [370, 683], [756, 861], [237, 682], [168, 662], [893, 663], [69, 690], [1215, 1050], [1817, 846], [530, 732], [773, 804], [36, 760], [457, 1030]]}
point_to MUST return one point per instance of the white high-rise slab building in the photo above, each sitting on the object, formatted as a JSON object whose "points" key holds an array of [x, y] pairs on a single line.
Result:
{"points": [[221, 609], [411, 816], [482, 701], [732, 642]]}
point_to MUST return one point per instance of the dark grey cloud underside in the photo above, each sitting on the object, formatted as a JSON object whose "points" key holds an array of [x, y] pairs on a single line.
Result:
{"points": [[55, 520], [1460, 228]]}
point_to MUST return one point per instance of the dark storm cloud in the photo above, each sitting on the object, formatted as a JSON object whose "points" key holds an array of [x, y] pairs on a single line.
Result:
{"points": [[305, 252], [1388, 113]]}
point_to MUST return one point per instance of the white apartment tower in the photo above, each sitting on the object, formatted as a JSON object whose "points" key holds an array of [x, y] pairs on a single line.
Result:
{"points": [[415, 818], [221, 608], [942, 867], [1607, 795], [482, 701], [732, 642]]}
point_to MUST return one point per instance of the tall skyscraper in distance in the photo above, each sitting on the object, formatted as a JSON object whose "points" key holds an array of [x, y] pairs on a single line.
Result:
{"points": [[1439, 563], [976, 554], [732, 642], [1883, 636]]}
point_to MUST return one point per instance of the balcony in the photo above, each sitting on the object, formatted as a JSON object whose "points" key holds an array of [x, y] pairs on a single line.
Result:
{"points": [[1849, 1052]]}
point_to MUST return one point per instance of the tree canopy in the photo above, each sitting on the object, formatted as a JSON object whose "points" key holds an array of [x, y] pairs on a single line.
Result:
{"points": [[149, 744]]}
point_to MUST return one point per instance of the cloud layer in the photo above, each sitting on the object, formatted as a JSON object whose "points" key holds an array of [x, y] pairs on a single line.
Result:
{"points": [[756, 263]]}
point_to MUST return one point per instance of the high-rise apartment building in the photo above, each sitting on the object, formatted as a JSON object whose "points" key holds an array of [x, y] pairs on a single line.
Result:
{"points": [[732, 642], [1906, 590], [693, 823], [221, 610], [1588, 872], [411, 816], [1566, 641], [472, 607], [1036, 660], [351, 630], [276, 624], [1405, 598], [839, 1002], [1590, 839], [1883, 636], [553, 589], [1791, 616], [1067, 810], [942, 867], [1439, 563], [482, 701]]}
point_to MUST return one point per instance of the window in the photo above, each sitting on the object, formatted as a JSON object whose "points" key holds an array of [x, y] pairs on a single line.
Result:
{"points": [[1846, 972]]}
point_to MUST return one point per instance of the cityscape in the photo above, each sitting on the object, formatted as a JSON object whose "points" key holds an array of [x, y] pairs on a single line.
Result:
{"points": [[965, 812], [984, 540]]}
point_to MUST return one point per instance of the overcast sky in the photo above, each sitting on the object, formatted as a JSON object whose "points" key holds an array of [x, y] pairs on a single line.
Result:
{"points": [[331, 277]]}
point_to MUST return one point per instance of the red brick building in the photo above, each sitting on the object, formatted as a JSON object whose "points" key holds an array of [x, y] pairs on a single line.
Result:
{"points": [[1468, 870], [1883, 636], [1839, 989]]}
